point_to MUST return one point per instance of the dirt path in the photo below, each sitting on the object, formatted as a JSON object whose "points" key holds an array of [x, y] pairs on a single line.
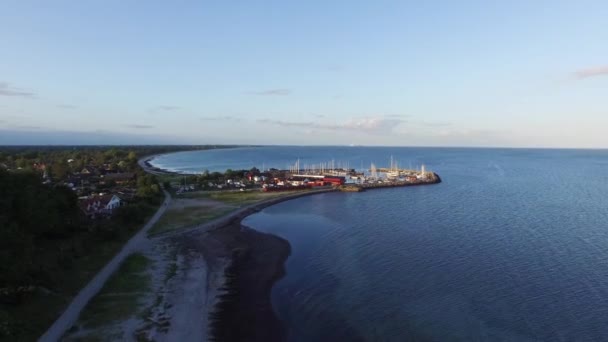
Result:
{"points": [[71, 313]]}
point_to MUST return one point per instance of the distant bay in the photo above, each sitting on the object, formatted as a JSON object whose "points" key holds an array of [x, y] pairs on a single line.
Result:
{"points": [[281, 157]]}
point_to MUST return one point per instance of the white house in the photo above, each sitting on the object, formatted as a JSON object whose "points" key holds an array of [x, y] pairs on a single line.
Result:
{"points": [[100, 205]]}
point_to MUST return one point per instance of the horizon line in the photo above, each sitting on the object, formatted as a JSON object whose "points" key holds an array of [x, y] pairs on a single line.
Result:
{"points": [[296, 145]]}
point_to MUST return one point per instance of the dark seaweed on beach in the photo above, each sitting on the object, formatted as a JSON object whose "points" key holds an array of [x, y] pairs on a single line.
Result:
{"points": [[225, 323]]}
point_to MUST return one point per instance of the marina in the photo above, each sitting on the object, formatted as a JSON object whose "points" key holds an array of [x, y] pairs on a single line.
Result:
{"points": [[305, 176], [348, 179]]}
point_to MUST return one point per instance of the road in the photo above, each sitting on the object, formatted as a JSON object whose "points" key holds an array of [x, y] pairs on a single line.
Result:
{"points": [[71, 313]]}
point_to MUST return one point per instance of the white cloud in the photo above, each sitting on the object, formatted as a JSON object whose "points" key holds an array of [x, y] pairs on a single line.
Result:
{"points": [[375, 125], [8, 90], [591, 72]]}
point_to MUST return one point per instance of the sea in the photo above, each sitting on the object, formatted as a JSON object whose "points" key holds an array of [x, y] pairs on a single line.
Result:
{"points": [[511, 246]]}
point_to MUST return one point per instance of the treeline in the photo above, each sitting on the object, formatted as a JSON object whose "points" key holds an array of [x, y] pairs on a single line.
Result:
{"points": [[42, 230], [202, 180], [48, 250], [142, 150], [60, 160]]}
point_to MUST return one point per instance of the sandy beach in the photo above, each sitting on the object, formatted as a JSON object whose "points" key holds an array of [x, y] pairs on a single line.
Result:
{"points": [[222, 283]]}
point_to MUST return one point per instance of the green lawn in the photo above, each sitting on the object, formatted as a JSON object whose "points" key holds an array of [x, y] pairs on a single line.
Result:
{"points": [[178, 218], [239, 198], [119, 299]]}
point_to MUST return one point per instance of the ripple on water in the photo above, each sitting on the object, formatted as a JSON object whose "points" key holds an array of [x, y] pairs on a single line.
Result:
{"points": [[512, 246]]}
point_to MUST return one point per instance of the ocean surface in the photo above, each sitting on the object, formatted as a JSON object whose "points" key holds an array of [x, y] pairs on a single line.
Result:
{"points": [[511, 246]]}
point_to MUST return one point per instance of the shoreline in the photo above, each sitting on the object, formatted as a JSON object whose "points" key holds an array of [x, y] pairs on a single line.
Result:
{"points": [[238, 215], [145, 162], [146, 165], [248, 262], [241, 267], [215, 262], [242, 309]]}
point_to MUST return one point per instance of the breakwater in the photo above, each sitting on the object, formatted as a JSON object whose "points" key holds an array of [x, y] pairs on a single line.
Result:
{"points": [[433, 179]]}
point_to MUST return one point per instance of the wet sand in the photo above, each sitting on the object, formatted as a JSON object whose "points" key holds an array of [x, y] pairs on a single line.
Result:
{"points": [[247, 263]]}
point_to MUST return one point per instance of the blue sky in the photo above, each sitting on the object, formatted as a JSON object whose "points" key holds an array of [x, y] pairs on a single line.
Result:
{"points": [[442, 73]]}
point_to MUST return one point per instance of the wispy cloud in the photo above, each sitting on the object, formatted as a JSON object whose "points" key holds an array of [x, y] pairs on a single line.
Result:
{"points": [[220, 118], [272, 92], [19, 115], [163, 108], [8, 90], [591, 72], [136, 126], [168, 108], [431, 124], [375, 125], [285, 123], [66, 106]]}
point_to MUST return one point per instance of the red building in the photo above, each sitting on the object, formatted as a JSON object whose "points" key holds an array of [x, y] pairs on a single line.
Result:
{"points": [[334, 180]]}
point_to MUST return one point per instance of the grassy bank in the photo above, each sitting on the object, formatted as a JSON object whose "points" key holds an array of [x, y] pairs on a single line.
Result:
{"points": [[239, 198], [195, 208], [121, 298], [178, 218]]}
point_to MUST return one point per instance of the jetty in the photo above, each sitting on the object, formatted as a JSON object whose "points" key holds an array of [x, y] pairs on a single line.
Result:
{"points": [[351, 180], [431, 178]]}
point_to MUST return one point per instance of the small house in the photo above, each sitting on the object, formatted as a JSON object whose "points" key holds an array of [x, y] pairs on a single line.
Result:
{"points": [[99, 206]]}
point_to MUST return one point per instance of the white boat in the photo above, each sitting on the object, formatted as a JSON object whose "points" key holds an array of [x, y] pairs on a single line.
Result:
{"points": [[392, 174]]}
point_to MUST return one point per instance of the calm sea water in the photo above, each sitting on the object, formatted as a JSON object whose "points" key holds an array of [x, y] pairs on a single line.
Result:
{"points": [[512, 246]]}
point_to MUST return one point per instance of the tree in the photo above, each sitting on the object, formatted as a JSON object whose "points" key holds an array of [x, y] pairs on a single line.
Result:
{"points": [[59, 169], [229, 173], [21, 162], [147, 186], [31, 214]]}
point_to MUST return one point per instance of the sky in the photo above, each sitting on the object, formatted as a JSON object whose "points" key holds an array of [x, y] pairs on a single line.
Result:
{"points": [[399, 73]]}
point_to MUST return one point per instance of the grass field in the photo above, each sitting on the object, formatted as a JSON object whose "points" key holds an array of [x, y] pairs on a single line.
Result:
{"points": [[219, 203], [178, 218], [238, 198], [119, 299]]}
